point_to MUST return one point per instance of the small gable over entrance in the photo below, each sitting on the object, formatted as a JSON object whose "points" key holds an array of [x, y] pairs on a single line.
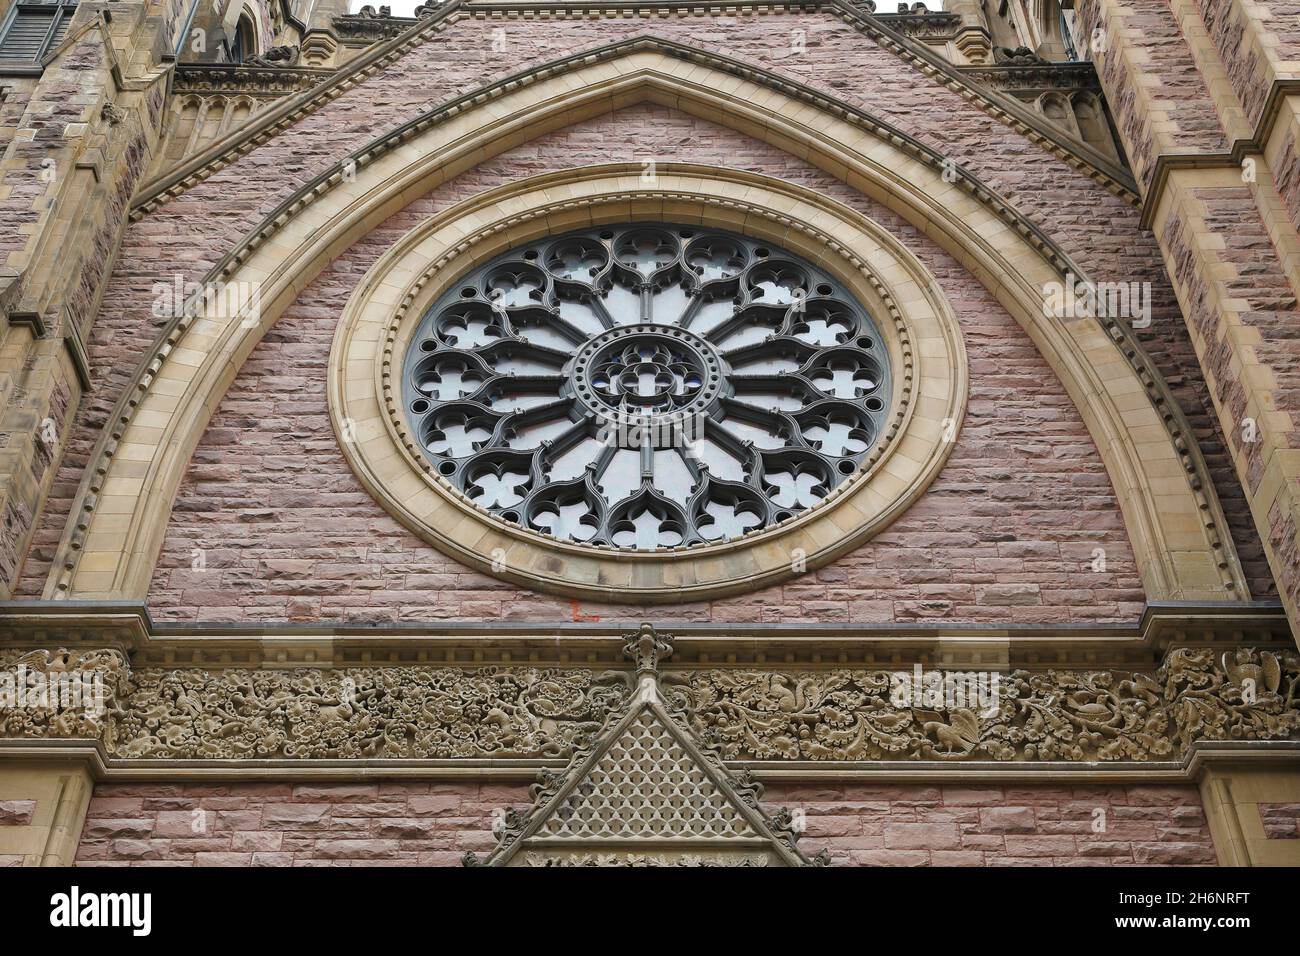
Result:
{"points": [[646, 793]]}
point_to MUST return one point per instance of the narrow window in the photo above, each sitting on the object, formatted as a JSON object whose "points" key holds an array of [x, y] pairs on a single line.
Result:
{"points": [[243, 47]]}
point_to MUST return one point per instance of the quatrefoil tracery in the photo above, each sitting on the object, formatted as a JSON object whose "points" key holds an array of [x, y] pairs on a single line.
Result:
{"points": [[646, 386]]}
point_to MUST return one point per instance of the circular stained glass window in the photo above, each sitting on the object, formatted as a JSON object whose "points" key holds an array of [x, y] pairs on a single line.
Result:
{"points": [[646, 386]]}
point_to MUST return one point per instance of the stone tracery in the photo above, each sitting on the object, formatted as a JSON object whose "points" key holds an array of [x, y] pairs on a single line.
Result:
{"points": [[647, 386]]}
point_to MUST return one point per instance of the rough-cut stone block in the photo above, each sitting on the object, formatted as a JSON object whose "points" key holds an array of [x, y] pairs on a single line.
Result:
{"points": [[16, 813]]}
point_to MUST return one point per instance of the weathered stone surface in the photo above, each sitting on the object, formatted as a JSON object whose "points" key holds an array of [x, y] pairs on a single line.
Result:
{"points": [[1010, 827], [300, 825], [326, 546], [1281, 820], [16, 813], [889, 827]]}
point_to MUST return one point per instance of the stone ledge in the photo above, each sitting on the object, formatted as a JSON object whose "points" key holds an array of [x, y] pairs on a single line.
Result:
{"points": [[128, 627]]}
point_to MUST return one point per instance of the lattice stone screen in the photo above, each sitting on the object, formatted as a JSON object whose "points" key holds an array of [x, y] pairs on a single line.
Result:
{"points": [[646, 386]]}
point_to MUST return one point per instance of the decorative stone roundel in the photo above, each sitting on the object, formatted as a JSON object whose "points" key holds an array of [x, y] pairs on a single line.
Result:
{"points": [[646, 386]]}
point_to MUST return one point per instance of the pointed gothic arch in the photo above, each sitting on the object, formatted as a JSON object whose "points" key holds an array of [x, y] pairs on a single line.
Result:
{"points": [[1170, 509]]}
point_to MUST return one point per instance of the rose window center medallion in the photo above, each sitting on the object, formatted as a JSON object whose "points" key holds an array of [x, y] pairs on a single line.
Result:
{"points": [[648, 375], [646, 386]]}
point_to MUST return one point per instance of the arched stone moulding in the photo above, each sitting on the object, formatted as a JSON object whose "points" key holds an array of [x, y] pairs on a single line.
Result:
{"points": [[381, 56], [1171, 513], [916, 323]]}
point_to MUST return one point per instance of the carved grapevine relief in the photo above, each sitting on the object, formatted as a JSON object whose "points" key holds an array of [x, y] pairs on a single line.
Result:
{"points": [[61, 693], [1052, 715], [644, 860], [418, 712], [388, 712]]}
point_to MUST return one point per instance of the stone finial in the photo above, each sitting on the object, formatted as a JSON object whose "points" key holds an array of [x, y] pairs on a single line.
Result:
{"points": [[648, 648]]}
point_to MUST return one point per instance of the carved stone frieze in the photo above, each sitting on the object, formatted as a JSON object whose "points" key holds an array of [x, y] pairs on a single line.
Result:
{"points": [[377, 712], [619, 859], [646, 793], [62, 693], [363, 27], [275, 75], [1053, 715], [921, 24], [1012, 78], [427, 712]]}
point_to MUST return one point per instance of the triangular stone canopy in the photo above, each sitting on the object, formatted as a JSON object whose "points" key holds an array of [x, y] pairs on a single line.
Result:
{"points": [[645, 792]]}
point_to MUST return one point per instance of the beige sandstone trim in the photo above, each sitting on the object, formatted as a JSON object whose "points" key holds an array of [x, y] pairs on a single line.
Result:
{"points": [[1207, 59], [101, 767], [1171, 513], [59, 776], [922, 336], [1135, 645], [59, 786], [1232, 792]]}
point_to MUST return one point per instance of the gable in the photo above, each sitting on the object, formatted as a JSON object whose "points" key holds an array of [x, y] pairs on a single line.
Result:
{"points": [[914, 181], [1058, 508], [835, 49], [645, 792]]}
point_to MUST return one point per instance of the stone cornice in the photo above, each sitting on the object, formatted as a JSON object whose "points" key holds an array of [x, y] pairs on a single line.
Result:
{"points": [[1167, 163], [109, 769], [1051, 76], [354, 29], [933, 24], [129, 627], [253, 81]]}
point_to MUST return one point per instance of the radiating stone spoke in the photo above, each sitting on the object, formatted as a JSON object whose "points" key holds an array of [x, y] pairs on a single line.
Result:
{"points": [[673, 385]]}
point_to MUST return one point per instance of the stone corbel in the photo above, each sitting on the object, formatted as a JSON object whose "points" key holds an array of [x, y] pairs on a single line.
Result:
{"points": [[974, 44], [318, 48]]}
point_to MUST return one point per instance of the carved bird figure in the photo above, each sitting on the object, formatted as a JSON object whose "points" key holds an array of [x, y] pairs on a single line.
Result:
{"points": [[1265, 675], [959, 735]]}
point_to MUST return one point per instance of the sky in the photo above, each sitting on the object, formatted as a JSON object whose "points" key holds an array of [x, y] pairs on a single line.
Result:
{"points": [[406, 8], [401, 8]]}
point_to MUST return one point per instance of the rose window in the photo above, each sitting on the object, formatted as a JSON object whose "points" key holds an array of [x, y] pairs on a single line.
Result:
{"points": [[646, 386]]}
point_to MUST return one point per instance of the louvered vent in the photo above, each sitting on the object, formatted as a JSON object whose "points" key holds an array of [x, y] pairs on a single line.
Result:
{"points": [[35, 28], [26, 37], [60, 29]]}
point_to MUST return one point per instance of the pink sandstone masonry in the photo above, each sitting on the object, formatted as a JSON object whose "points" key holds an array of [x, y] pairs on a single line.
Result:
{"points": [[394, 824], [1007, 533], [1022, 439], [1287, 177], [1281, 820], [1227, 28], [1174, 81], [1274, 23], [955, 825], [1271, 309], [419, 824]]}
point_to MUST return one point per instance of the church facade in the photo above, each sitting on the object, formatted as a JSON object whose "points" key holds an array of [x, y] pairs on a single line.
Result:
{"points": [[542, 432]]}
